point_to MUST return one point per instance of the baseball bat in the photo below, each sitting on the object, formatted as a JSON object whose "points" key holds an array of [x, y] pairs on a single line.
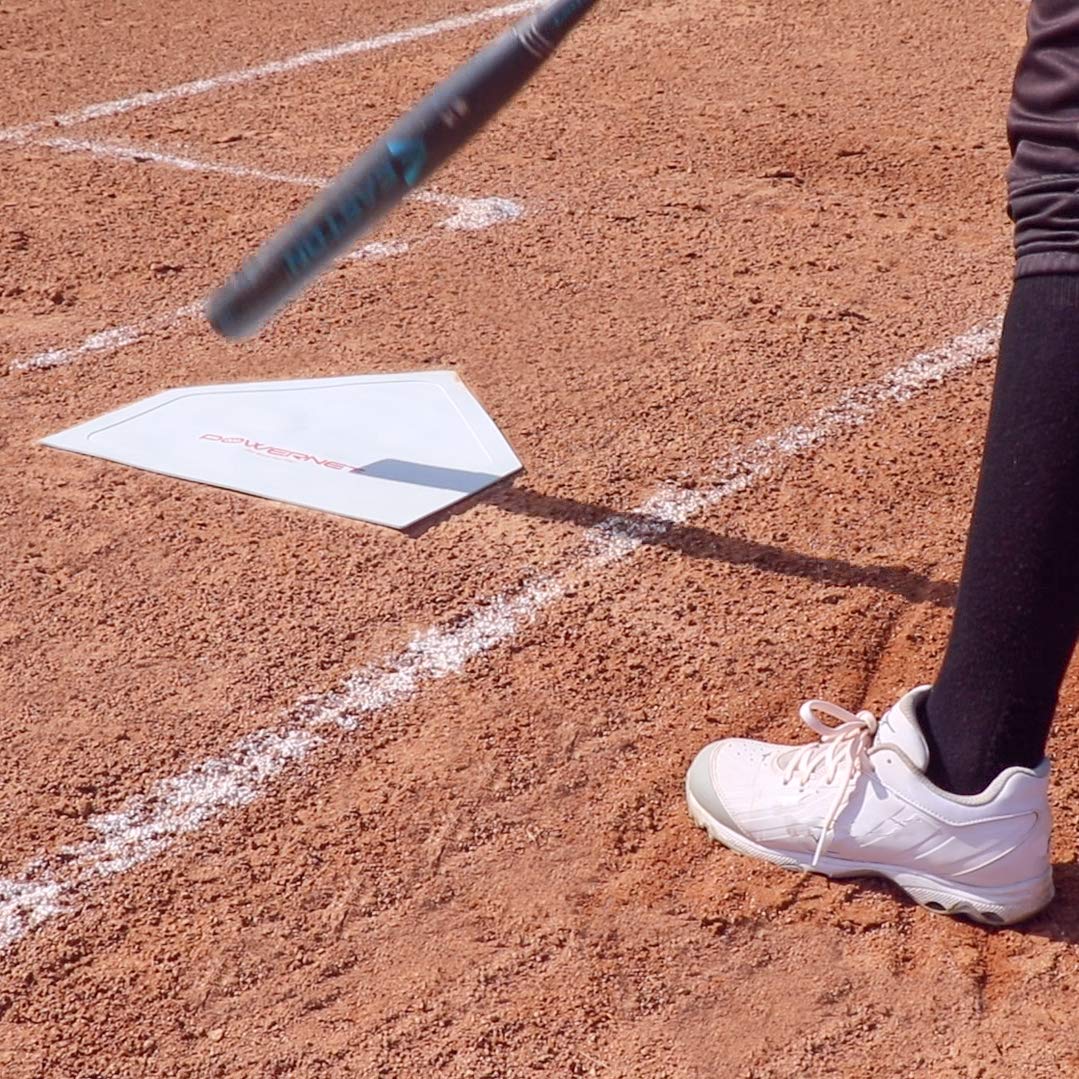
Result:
{"points": [[382, 175]]}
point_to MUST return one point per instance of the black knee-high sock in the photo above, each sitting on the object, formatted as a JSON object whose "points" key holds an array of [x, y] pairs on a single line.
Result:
{"points": [[1017, 615]]}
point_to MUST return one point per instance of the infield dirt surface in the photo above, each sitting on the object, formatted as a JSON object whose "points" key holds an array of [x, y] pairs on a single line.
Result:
{"points": [[732, 214]]}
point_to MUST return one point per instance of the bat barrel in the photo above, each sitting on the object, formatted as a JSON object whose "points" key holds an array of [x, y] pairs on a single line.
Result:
{"points": [[384, 174]]}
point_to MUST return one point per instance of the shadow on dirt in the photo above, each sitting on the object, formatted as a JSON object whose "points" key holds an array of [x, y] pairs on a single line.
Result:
{"points": [[701, 543], [1060, 920]]}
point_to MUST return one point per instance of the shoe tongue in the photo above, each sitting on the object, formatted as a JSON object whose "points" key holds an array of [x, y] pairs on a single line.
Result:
{"points": [[899, 727]]}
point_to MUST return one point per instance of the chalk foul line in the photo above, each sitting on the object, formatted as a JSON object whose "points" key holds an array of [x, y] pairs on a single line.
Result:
{"points": [[148, 825], [104, 109]]}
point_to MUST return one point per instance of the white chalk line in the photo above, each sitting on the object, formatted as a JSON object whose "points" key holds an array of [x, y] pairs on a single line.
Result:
{"points": [[308, 58], [118, 337], [102, 341], [147, 825], [468, 214]]}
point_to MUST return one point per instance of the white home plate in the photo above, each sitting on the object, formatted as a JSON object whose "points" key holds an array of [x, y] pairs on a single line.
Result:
{"points": [[390, 449]]}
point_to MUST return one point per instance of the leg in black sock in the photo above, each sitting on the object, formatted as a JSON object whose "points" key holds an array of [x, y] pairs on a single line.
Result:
{"points": [[1017, 614]]}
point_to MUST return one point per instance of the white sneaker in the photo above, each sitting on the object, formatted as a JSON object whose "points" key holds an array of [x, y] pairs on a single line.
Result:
{"points": [[858, 803]]}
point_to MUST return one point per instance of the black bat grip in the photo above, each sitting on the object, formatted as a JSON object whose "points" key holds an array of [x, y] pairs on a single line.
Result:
{"points": [[381, 176]]}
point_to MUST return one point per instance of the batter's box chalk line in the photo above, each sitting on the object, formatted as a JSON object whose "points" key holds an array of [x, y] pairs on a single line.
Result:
{"points": [[468, 213]]}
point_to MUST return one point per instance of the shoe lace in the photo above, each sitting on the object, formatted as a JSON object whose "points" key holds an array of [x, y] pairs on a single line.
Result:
{"points": [[843, 747]]}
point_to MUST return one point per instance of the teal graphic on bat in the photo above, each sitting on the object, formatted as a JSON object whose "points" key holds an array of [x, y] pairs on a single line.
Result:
{"points": [[409, 155]]}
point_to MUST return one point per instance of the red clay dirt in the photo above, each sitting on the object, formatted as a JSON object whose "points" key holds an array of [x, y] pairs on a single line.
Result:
{"points": [[733, 213]]}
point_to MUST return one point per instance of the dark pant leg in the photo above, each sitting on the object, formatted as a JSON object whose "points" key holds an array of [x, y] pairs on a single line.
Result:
{"points": [[1017, 614]]}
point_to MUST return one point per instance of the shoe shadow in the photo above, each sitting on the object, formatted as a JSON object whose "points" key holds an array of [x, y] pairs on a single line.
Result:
{"points": [[701, 543]]}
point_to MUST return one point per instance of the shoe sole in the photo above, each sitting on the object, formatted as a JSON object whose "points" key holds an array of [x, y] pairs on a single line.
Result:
{"points": [[990, 906]]}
